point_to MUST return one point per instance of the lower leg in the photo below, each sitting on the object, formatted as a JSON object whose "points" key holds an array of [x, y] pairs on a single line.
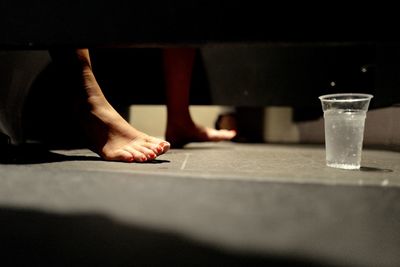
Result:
{"points": [[181, 129]]}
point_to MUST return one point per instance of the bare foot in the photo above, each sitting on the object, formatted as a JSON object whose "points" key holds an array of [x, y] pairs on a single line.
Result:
{"points": [[112, 137], [180, 134]]}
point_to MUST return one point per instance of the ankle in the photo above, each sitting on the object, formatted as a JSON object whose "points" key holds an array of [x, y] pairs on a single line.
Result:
{"points": [[180, 121]]}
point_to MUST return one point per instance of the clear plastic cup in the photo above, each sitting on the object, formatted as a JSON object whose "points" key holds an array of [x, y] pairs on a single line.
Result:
{"points": [[344, 119]]}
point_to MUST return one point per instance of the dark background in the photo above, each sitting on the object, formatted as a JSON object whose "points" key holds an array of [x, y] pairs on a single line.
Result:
{"points": [[249, 54]]}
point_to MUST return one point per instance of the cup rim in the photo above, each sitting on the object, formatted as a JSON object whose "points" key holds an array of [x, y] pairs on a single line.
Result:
{"points": [[332, 97]]}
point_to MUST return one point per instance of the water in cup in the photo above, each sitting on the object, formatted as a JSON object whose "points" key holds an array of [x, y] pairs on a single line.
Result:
{"points": [[344, 119], [344, 132]]}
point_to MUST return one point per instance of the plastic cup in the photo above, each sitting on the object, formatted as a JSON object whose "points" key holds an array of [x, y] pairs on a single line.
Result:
{"points": [[344, 119]]}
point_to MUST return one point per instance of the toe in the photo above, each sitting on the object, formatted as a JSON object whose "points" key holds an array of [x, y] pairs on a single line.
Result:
{"points": [[220, 135], [157, 145], [137, 155], [165, 146]]}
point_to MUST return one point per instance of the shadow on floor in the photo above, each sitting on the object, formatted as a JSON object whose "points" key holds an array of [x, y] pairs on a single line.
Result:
{"points": [[33, 238], [373, 169], [35, 154]]}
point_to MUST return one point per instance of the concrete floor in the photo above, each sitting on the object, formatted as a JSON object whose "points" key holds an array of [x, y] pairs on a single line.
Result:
{"points": [[208, 204]]}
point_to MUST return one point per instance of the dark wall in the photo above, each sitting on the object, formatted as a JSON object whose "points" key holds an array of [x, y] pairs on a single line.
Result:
{"points": [[256, 75], [247, 75]]}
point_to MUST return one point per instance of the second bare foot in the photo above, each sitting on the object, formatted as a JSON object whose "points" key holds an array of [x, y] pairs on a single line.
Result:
{"points": [[180, 134]]}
